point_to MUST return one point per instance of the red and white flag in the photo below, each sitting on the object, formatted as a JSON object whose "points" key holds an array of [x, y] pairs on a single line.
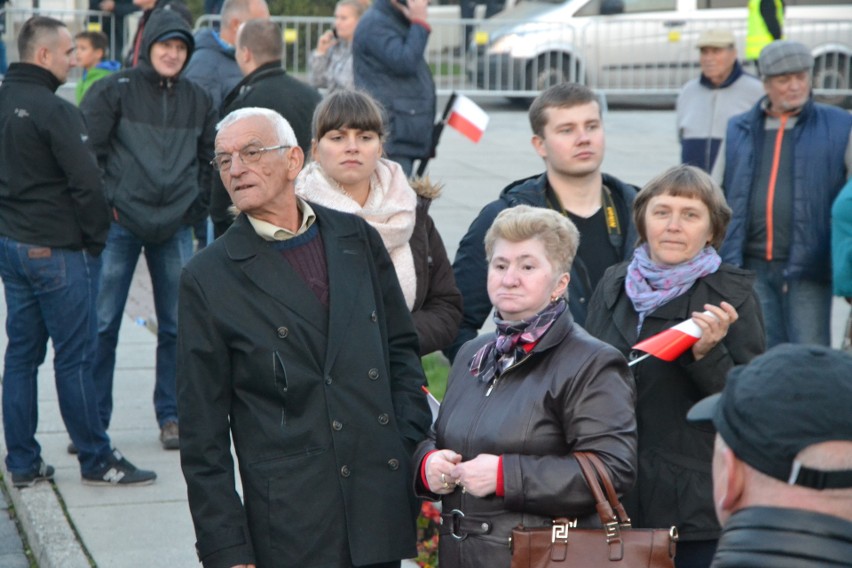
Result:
{"points": [[670, 344], [434, 405], [468, 118]]}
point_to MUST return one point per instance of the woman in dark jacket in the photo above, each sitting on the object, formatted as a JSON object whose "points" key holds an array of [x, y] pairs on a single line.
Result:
{"points": [[676, 274], [519, 404], [348, 174]]}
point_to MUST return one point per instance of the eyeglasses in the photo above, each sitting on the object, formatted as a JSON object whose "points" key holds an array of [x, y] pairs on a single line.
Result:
{"points": [[248, 155]]}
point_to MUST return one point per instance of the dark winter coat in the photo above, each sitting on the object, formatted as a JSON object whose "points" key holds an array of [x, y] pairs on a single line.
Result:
{"points": [[775, 537], [437, 307], [213, 66], [324, 404], [573, 393], [50, 185], [675, 483], [471, 267], [268, 86], [153, 138], [819, 140], [388, 62]]}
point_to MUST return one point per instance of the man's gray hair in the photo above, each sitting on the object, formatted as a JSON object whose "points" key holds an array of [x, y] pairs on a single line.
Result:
{"points": [[285, 133]]}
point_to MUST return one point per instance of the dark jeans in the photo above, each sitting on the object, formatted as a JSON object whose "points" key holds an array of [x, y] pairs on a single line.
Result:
{"points": [[50, 293], [165, 261], [794, 311]]}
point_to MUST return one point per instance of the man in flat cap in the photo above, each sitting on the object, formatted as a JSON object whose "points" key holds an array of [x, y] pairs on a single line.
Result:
{"points": [[782, 464], [781, 166], [152, 132], [706, 103]]}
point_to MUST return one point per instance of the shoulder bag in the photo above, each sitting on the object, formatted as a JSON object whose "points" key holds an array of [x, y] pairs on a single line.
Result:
{"points": [[616, 545]]}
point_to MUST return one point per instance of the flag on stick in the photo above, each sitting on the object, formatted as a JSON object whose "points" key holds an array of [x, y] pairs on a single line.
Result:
{"points": [[468, 118], [434, 405], [670, 344]]}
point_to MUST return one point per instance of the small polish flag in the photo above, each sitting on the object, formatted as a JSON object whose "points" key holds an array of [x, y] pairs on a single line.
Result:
{"points": [[670, 344], [468, 118], [434, 405]]}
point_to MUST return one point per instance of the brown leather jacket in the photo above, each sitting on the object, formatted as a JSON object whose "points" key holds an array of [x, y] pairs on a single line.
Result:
{"points": [[573, 393]]}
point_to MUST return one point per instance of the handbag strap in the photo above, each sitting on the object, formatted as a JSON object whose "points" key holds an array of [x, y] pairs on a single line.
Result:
{"points": [[604, 508], [603, 474]]}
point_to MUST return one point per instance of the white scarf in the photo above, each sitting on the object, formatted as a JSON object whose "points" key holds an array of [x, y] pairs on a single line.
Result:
{"points": [[390, 209]]}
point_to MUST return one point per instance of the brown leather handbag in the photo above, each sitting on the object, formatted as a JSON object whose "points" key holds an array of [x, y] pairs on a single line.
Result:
{"points": [[616, 545]]}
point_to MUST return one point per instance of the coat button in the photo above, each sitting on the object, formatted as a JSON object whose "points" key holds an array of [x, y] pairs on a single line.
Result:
{"points": [[344, 471], [337, 425], [328, 379], [383, 419], [374, 317], [582, 300], [373, 374], [283, 332], [393, 464]]}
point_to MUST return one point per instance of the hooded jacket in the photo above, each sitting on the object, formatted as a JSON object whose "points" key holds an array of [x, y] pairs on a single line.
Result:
{"points": [[213, 66], [471, 268], [388, 63], [153, 137]]}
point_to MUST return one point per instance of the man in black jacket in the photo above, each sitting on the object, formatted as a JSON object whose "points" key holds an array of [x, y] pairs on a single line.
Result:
{"points": [[782, 465], [153, 135], [568, 135], [266, 85], [53, 226]]}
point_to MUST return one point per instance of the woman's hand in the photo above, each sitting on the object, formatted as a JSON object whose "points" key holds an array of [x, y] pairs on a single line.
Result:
{"points": [[479, 475], [325, 42], [714, 327], [439, 469]]}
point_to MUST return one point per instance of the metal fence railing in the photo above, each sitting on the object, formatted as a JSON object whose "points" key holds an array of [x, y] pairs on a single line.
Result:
{"points": [[641, 56], [636, 56]]}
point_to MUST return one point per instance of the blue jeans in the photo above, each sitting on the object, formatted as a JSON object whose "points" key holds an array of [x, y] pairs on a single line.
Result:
{"points": [[794, 311], [165, 261], [50, 293]]}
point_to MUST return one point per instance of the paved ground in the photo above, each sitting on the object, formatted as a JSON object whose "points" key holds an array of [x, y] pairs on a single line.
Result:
{"points": [[133, 527]]}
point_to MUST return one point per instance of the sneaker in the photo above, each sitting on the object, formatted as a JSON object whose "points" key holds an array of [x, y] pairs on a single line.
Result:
{"points": [[119, 471], [43, 472], [170, 436], [72, 449]]}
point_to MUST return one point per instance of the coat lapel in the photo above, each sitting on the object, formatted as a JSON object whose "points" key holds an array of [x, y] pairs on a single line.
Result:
{"points": [[348, 262], [272, 274]]}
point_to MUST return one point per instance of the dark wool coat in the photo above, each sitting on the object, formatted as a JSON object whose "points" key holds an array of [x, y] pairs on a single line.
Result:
{"points": [[675, 482], [324, 404], [573, 393]]}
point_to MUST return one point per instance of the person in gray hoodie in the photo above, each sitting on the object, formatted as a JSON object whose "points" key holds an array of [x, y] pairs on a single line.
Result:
{"points": [[152, 133]]}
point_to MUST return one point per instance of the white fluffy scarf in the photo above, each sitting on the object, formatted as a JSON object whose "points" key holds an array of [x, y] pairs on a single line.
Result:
{"points": [[390, 209]]}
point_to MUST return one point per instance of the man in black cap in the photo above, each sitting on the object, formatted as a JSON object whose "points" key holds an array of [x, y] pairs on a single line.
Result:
{"points": [[781, 166], [782, 465], [153, 134]]}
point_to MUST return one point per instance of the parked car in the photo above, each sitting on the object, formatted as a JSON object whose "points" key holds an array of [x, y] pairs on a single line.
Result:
{"points": [[640, 46]]}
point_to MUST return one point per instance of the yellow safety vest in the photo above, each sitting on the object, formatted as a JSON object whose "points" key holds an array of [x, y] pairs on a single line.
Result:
{"points": [[758, 35]]}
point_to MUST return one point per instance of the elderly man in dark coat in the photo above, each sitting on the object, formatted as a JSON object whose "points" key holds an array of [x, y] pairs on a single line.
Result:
{"points": [[295, 339]]}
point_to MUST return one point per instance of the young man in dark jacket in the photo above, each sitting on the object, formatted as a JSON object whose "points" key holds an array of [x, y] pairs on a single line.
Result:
{"points": [[266, 85], [568, 135], [153, 135], [53, 226], [387, 59]]}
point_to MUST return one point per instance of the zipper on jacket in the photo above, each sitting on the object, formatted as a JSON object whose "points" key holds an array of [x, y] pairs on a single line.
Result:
{"points": [[510, 368], [773, 178]]}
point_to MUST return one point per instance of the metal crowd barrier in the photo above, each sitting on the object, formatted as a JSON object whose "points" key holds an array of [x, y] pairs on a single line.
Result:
{"points": [[639, 56]]}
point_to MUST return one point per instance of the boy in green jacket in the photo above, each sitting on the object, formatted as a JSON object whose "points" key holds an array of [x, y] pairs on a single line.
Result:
{"points": [[90, 51]]}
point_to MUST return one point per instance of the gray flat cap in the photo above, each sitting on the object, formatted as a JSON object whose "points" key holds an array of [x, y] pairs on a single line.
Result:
{"points": [[784, 56]]}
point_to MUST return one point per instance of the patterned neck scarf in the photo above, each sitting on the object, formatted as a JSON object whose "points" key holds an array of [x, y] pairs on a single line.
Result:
{"points": [[650, 285], [513, 341]]}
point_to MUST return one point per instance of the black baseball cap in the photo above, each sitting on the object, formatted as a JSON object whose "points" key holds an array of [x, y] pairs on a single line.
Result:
{"points": [[789, 398]]}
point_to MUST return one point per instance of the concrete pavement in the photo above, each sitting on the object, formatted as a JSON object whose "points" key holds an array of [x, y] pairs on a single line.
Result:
{"points": [[70, 525]]}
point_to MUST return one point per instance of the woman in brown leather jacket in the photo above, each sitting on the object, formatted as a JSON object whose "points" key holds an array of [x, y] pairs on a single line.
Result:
{"points": [[520, 402]]}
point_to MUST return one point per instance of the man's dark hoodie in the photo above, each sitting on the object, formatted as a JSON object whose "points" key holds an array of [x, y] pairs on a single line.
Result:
{"points": [[153, 137]]}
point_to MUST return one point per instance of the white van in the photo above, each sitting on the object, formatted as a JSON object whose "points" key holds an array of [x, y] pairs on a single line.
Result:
{"points": [[639, 46]]}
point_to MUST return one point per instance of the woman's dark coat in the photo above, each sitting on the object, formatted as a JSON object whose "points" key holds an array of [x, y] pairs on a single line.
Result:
{"points": [[324, 404], [573, 393], [437, 307], [675, 482]]}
